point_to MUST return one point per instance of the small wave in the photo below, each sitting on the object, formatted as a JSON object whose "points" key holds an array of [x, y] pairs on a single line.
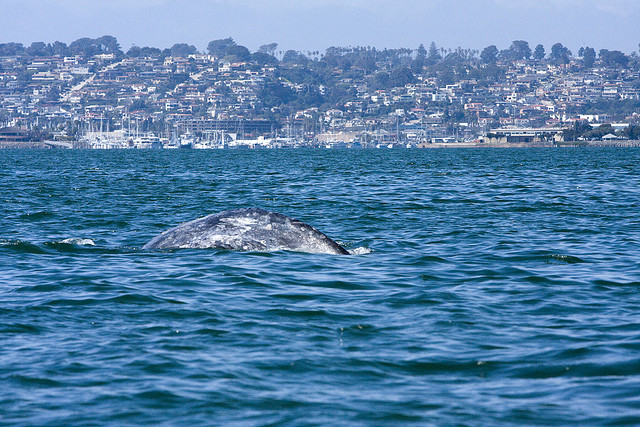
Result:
{"points": [[78, 241], [127, 299], [65, 245], [210, 332], [20, 328], [360, 251], [566, 259], [22, 246], [36, 215], [431, 258], [71, 245], [540, 256], [160, 398], [358, 329], [32, 381], [297, 313]]}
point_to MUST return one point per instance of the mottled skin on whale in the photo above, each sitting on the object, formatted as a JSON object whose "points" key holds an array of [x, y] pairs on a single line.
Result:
{"points": [[249, 229]]}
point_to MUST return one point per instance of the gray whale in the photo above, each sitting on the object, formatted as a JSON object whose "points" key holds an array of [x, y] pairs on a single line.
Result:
{"points": [[249, 229]]}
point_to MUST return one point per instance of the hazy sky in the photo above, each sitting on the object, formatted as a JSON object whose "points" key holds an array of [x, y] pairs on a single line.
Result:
{"points": [[318, 24]]}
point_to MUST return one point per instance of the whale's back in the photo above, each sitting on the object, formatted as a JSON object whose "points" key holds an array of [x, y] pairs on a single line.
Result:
{"points": [[249, 229]]}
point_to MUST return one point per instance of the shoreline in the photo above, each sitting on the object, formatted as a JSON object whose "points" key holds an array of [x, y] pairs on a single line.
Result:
{"points": [[565, 144], [47, 145]]}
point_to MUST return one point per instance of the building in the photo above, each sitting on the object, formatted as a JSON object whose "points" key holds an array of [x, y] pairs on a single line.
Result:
{"points": [[525, 135], [13, 134]]}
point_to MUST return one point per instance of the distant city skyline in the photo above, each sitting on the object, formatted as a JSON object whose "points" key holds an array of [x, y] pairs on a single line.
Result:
{"points": [[317, 24]]}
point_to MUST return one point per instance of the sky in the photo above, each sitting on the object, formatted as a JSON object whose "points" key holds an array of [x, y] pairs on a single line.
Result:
{"points": [[309, 25]]}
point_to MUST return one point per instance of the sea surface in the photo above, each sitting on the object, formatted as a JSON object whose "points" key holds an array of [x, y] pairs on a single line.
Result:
{"points": [[485, 287]]}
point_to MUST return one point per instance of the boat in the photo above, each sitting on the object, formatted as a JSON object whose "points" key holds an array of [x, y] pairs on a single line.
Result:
{"points": [[186, 141]]}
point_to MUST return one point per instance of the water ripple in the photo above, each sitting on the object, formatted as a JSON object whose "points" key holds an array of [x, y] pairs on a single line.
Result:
{"points": [[490, 287]]}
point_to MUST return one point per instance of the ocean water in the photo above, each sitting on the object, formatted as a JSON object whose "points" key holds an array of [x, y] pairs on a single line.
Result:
{"points": [[486, 286]]}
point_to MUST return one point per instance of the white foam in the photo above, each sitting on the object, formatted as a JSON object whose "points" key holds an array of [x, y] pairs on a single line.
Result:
{"points": [[360, 251], [78, 241]]}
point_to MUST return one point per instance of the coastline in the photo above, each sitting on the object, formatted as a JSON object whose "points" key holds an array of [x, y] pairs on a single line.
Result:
{"points": [[566, 144], [634, 143], [35, 144]]}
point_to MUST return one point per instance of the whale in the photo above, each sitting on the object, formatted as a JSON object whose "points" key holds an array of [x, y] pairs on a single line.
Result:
{"points": [[247, 230]]}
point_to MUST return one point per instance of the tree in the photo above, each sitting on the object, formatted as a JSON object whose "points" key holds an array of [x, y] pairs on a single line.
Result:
{"points": [[539, 52], [269, 49], [182, 50], [39, 49], [489, 54], [559, 54], [519, 50], [434, 54], [401, 76], [588, 57], [275, 94], [238, 52], [11, 49], [262, 58], [381, 80], [108, 44], [89, 47], [134, 52], [579, 129], [290, 56], [446, 76], [219, 47], [54, 94], [84, 46], [367, 61], [631, 132], [613, 58], [144, 52], [421, 52], [421, 57], [60, 48], [599, 132]]}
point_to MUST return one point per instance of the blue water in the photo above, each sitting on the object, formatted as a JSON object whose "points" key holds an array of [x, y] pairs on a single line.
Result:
{"points": [[488, 287]]}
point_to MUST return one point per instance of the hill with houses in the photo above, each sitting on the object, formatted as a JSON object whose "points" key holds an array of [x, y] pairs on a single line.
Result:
{"points": [[93, 94]]}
